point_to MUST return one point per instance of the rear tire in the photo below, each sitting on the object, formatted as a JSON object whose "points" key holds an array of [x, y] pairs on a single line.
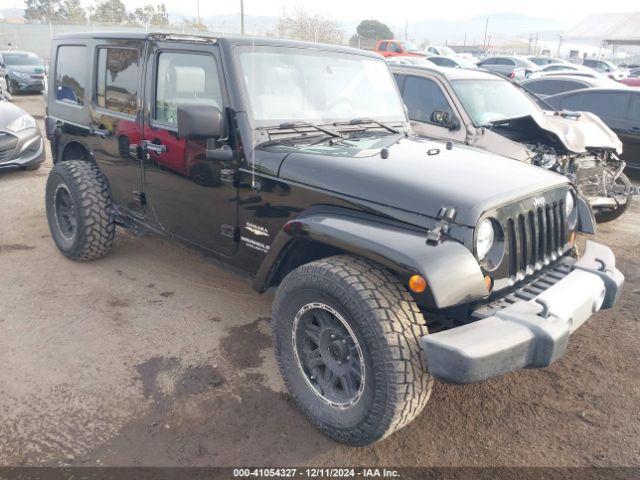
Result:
{"points": [[370, 311], [79, 210], [603, 216]]}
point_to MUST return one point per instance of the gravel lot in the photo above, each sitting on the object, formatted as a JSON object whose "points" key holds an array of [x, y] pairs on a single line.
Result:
{"points": [[155, 356]]}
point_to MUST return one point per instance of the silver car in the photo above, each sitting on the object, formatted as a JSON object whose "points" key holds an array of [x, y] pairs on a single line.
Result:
{"points": [[21, 143]]}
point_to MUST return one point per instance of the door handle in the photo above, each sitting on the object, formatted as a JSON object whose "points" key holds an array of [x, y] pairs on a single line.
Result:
{"points": [[99, 132], [156, 148]]}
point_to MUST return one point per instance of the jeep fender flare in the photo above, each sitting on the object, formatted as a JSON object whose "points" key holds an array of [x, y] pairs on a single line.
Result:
{"points": [[452, 272]]}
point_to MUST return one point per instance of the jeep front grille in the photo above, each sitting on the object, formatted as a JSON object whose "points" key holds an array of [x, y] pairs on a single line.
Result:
{"points": [[535, 238]]}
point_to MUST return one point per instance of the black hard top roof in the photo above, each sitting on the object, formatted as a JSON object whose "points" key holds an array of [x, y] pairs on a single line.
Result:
{"points": [[230, 40]]}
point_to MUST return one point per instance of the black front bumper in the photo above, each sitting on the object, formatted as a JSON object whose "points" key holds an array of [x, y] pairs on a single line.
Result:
{"points": [[527, 331]]}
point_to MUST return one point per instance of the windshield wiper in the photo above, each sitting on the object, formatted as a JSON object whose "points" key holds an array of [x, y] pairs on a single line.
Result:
{"points": [[362, 121], [296, 125]]}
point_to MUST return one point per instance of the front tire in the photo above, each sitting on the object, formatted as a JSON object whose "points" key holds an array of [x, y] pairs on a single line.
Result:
{"points": [[79, 210], [346, 335]]}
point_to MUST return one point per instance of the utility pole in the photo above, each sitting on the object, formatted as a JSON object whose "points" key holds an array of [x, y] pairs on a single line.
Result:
{"points": [[484, 42], [242, 17], [406, 28], [198, 12]]}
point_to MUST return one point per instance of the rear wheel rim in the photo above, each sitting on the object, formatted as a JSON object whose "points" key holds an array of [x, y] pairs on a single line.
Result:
{"points": [[65, 212], [329, 355]]}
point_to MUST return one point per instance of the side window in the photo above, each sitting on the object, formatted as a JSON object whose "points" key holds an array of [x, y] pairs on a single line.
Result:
{"points": [[423, 97], [611, 105], [395, 47], [539, 86], [399, 80], [447, 62], [383, 46], [185, 79], [572, 102], [71, 74], [634, 111], [488, 61], [434, 51], [117, 79], [505, 61]]}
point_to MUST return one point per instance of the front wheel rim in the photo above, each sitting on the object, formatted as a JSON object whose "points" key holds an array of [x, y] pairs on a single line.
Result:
{"points": [[65, 212], [328, 355]]}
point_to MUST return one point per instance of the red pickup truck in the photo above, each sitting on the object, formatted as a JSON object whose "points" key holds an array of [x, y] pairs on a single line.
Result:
{"points": [[393, 48]]}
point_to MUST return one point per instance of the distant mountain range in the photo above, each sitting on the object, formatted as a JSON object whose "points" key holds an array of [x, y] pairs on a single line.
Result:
{"points": [[502, 27]]}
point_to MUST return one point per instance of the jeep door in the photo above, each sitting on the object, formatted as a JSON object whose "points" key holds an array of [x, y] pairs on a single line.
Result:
{"points": [[186, 191], [425, 100], [114, 120]]}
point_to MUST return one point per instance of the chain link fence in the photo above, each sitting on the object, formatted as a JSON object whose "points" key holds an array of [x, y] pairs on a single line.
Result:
{"points": [[36, 38]]}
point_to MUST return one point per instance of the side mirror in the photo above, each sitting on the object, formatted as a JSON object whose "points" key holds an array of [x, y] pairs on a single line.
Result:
{"points": [[445, 120], [200, 122]]}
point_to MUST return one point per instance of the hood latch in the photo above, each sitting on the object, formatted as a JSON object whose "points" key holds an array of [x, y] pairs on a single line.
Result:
{"points": [[446, 215]]}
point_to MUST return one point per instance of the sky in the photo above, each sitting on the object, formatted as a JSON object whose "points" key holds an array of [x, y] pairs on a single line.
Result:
{"points": [[396, 12]]}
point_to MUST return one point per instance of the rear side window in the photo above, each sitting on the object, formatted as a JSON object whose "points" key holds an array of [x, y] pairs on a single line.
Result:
{"points": [[185, 79], [572, 102], [71, 74], [423, 97], [552, 87], [117, 79], [634, 112], [611, 105], [504, 61], [383, 46]]}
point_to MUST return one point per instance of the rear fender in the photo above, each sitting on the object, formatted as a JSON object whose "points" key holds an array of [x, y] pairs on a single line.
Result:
{"points": [[452, 272]]}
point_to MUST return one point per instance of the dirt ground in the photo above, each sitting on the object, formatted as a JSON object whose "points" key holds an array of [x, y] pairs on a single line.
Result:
{"points": [[154, 356]]}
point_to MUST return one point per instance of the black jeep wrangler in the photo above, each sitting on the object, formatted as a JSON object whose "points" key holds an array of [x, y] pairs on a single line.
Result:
{"points": [[396, 259]]}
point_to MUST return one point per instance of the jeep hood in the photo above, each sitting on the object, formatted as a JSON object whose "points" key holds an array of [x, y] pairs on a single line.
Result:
{"points": [[576, 134], [419, 176]]}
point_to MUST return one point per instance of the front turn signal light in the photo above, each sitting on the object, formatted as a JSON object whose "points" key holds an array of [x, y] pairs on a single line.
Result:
{"points": [[417, 284], [488, 282]]}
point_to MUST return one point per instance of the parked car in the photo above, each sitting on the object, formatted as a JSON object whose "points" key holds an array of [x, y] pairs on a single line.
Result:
{"points": [[484, 110], [515, 68], [451, 62], [407, 60], [605, 67], [323, 193], [560, 68], [21, 144], [23, 71], [542, 60], [392, 48], [554, 84], [440, 51], [633, 79], [618, 107]]}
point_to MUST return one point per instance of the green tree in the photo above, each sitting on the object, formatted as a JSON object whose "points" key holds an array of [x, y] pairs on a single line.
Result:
{"points": [[150, 15], [72, 11], [374, 30], [112, 11], [41, 10]]}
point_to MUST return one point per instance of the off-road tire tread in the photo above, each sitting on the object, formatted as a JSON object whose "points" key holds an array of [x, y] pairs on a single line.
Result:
{"points": [[394, 333], [96, 228]]}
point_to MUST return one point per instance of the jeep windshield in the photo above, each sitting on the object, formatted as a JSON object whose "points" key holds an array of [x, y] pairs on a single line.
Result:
{"points": [[489, 101], [317, 87]]}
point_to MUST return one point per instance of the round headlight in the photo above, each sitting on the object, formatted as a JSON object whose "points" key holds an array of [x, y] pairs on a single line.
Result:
{"points": [[569, 204], [485, 237]]}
